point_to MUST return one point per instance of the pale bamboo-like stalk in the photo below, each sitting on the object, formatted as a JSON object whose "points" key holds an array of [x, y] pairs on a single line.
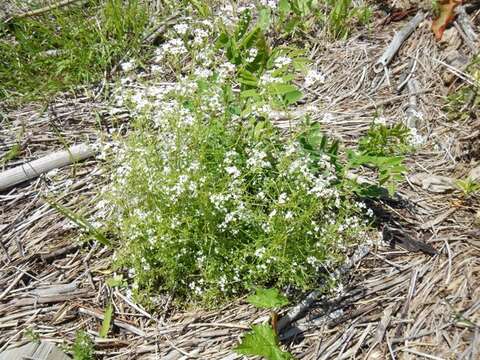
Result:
{"points": [[33, 169]]}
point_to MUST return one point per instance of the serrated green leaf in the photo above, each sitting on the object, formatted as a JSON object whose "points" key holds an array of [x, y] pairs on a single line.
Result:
{"points": [[267, 299], [107, 319], [262, 341]]}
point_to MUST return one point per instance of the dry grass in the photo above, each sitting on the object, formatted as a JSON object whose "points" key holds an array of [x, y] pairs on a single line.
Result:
{"points": [[398, 303]]}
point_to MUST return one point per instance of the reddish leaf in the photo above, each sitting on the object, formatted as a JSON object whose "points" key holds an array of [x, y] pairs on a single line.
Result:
{"points": [[447, 14]]}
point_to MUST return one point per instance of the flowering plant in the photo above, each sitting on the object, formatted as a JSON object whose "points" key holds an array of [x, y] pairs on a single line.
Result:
{"points": [[208, 198]]}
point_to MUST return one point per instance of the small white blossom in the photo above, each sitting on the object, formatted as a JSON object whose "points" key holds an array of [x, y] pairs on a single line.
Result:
{"points": [[252, 54], [282, 61], [260, 251], [127, 66], [313, 77], [181, 28]]}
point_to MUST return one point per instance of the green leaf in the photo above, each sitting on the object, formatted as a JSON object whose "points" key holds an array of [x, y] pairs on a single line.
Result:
{"points": [[250, 38], [107, 319], [281, 89], [116, 281], [11, 154], [262, 341], [81, 222], [247, 78], [264, 19], [249, 93], [284, 7], [292, 97], [267, 299], [201, 7]]}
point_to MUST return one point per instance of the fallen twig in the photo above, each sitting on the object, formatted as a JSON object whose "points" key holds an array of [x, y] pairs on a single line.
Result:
{"points": [[44, 9], [300, 309], [397, 42], [45, 164]]}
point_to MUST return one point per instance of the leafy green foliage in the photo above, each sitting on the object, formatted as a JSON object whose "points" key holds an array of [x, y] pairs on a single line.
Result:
{"points": [[317, 145], [267, 299], [106, 323], [262, 341], [468, 187], [32, 335], [343, 15], [464, 103], [116, 281], [208, 198], [68, 46], [383, 140], [82, 348], [390, 170], [11, 154], [338, 16]]}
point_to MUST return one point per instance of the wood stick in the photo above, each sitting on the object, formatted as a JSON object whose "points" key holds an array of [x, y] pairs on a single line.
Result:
{"points": [[397, 42], [33, 169], [119, 323], [300, 309], [44, 9], [465, 24]]}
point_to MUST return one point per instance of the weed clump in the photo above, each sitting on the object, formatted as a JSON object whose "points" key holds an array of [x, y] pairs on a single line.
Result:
{"points": [[209, 199]]}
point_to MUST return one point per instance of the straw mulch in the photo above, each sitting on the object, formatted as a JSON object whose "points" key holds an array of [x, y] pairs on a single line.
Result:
{"points": [[414, 296]]}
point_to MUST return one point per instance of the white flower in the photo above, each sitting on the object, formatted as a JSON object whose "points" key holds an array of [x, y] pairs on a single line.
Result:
{"points": [[282, 198], [203, 73], [289, 215], [415, 138], [282, 61], [272, 4], [267, 79], [156, 69], [233, 171], [252, 54], [257, 159], [260, 251], [226, 69], [381, 120], [181, 28], [172, 47], [127, 66], [199, 36], [313, 77]]}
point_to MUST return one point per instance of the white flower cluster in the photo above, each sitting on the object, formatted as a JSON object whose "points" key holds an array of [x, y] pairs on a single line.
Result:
{"points": [[198, 192], [282, 61], [313, 77], [272, 4]]}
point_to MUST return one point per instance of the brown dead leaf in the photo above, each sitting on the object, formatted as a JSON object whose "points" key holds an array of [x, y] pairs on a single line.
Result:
{"points": [[447, 14]]}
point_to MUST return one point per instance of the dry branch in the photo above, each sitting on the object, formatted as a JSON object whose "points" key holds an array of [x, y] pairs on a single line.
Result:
{"points": [[44, 9], [33, 169], [465, 24], [397, 42], [300, 309]]}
